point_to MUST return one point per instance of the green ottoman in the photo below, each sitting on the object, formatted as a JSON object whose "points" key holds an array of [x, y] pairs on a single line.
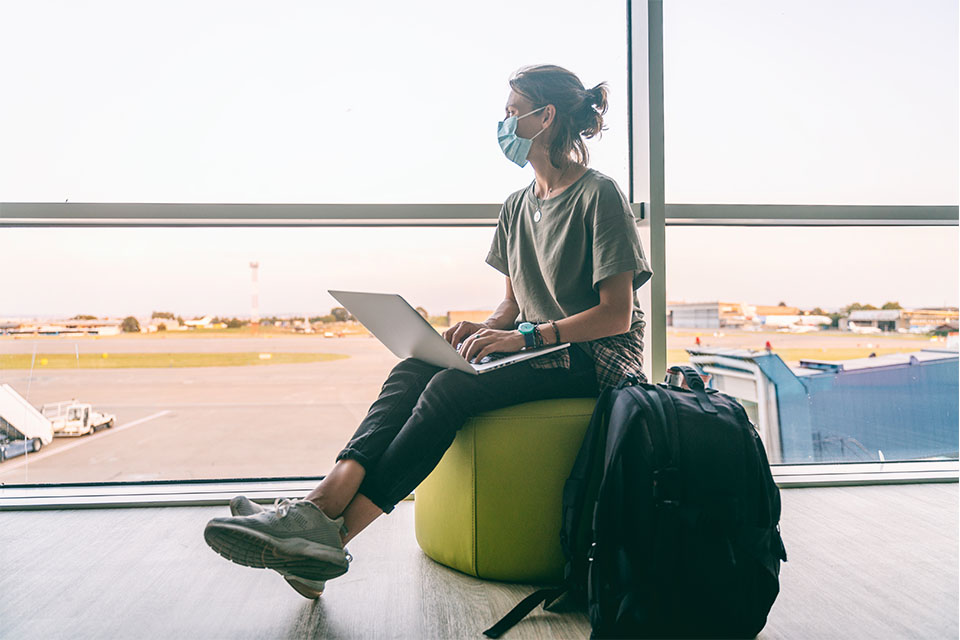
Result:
{"points": [[492, 507]]}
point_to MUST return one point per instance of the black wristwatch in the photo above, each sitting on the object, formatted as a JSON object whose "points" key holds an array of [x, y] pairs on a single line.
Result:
{"points": [[526, 330]]}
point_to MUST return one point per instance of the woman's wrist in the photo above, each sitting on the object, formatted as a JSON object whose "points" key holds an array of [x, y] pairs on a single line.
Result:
{"points": [[556, 332], [545, 336], [537, 337]]}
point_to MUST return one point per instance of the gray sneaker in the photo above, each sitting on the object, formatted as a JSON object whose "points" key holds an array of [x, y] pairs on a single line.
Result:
{"points": [[296, 539], [312, 589]]}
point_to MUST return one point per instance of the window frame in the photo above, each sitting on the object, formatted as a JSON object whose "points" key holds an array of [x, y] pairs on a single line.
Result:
{"points": [[644, 23]]}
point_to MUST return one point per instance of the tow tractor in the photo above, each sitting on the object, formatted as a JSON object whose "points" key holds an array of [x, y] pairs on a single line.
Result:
{"points": [[72, 418]]}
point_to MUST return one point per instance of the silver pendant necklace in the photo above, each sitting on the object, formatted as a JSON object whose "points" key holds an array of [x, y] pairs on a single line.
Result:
{"points": [[538, 214]]}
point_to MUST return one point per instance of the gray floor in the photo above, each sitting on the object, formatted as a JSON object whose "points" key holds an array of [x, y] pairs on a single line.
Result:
{"points": [[865, 562]]}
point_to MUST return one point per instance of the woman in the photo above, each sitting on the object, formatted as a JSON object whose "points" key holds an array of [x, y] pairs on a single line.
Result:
{"points": [[569, 249]]}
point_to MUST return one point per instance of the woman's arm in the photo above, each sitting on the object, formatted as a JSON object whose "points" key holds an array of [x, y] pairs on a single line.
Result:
{"points": [[610, 317], [507, 311]]}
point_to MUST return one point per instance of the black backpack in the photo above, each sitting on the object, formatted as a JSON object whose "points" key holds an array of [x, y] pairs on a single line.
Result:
{"points": [[670, 519]]}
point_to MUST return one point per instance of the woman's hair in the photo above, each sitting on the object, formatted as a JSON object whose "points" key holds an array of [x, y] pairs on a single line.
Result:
{"points": [[579, 110]]}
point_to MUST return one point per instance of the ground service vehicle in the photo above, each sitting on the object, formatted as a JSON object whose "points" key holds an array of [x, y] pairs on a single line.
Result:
{"points": [[72, 418], [23, 429]]}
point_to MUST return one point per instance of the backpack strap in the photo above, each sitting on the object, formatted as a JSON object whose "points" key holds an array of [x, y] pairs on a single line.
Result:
{"points": [[695, 382], [574, 489], [525, 606], [666, 488]]}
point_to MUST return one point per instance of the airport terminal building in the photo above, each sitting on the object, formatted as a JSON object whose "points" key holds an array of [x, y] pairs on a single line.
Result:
{"points": [[739, 315], [720, 315], [902, 319]]}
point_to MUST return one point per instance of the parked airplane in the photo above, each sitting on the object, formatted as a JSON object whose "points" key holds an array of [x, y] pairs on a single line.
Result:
{"points": [[915, 330], [853, 326], [202, 322], [803, 328]]}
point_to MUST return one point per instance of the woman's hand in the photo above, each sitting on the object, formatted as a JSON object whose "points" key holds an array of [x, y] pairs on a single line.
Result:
{"points": [[487, 341], [460, 331]]}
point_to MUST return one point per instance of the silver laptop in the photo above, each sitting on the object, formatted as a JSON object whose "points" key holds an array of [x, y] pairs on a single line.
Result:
{"points": [[408, 334]]}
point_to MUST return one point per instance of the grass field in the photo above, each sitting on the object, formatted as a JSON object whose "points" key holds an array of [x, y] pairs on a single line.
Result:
{"points": [[157, 360]]}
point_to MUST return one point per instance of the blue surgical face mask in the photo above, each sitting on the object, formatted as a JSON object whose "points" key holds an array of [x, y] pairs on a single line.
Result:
{"points": [[513, 146]]}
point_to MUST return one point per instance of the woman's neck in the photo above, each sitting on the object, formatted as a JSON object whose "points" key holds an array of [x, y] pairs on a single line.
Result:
{"points": [[552, 180]]}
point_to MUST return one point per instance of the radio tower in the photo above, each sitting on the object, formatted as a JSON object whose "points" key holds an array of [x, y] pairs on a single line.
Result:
{"points": [[255, 319]]}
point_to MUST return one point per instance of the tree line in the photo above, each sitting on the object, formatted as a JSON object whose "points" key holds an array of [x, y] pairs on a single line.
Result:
{"points": [[339, 314]]}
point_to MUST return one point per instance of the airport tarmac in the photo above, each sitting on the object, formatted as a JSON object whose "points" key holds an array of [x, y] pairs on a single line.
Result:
{"points": [[203, 422], [252, 421]]}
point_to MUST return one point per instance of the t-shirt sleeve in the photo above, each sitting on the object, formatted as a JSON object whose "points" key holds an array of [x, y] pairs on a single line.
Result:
{"points": [[616, 242], [497, 257]]}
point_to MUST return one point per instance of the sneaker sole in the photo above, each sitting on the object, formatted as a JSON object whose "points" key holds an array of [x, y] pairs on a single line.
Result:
{"points": [[309, 560], [303, 589], [309, 591]]}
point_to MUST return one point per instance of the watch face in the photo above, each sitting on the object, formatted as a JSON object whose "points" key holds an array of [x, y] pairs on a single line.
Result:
{"points": [[525, 327]]}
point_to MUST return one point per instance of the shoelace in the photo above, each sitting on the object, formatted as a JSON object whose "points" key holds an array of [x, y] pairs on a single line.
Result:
{"points": [[282, 506]]}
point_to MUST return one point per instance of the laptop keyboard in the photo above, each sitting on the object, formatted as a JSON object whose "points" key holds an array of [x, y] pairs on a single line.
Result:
{"points": [[487, 358]]}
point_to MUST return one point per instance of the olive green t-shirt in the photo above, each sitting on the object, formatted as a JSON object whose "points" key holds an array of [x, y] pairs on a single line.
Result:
{"points": [[586, 233]]}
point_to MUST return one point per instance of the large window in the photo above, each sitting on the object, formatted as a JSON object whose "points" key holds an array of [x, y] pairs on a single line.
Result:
{"points": [[363, 113], [811, 102], [112, 101], [156, 338], [839, 341]]}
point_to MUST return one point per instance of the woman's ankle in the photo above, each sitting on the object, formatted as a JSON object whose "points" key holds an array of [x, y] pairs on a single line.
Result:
{"points": [[331, 494], [329, 508]]}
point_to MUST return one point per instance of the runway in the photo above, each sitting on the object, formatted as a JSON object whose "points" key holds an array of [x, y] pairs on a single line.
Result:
{"points": [[246, 422]]}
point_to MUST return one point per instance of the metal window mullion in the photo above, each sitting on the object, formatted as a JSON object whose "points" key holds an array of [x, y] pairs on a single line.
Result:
{"points": [[810, 215], [199, 214], [658, 256]]}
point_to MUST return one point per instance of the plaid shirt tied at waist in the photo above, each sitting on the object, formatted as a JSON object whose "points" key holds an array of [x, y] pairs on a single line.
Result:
{"points": [[614, 357]]}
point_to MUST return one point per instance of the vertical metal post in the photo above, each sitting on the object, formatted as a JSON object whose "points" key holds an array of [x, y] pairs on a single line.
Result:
{"points": [[255, 302], [631, 195], [658, 293]]}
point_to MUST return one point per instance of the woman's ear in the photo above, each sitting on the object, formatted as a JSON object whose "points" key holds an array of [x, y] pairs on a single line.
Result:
{"points": [[549, 113]]}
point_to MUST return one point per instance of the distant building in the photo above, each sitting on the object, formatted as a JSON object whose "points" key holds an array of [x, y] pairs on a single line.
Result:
{"points": [[930, 319], [768, 310], [704, 315], [453, 317], [901, 320], [6, 326], [104, 327], [153, 325], [720, 315]]}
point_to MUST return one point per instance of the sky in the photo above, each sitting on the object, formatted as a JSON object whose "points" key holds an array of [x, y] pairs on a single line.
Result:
{"points": [[814, 102]]}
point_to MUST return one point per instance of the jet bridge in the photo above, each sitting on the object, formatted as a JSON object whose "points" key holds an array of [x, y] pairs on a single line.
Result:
{"points": [[894, 407]]}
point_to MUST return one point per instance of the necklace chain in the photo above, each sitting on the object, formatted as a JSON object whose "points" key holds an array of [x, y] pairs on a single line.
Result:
{"points": [[549, 191]]}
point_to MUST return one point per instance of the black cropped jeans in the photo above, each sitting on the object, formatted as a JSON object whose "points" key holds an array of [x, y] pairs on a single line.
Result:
{"points": [[421, 407]]}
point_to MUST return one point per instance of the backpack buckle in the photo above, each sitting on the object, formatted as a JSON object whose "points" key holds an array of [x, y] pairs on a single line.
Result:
{"points": [[592, 552]]}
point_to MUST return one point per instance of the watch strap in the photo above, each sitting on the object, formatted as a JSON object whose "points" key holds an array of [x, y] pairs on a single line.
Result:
{"points": [[529, 339]]}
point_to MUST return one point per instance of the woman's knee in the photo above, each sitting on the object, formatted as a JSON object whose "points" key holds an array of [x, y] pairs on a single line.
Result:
{"points": [[411, 371], [450, 391], [413, 365]]}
